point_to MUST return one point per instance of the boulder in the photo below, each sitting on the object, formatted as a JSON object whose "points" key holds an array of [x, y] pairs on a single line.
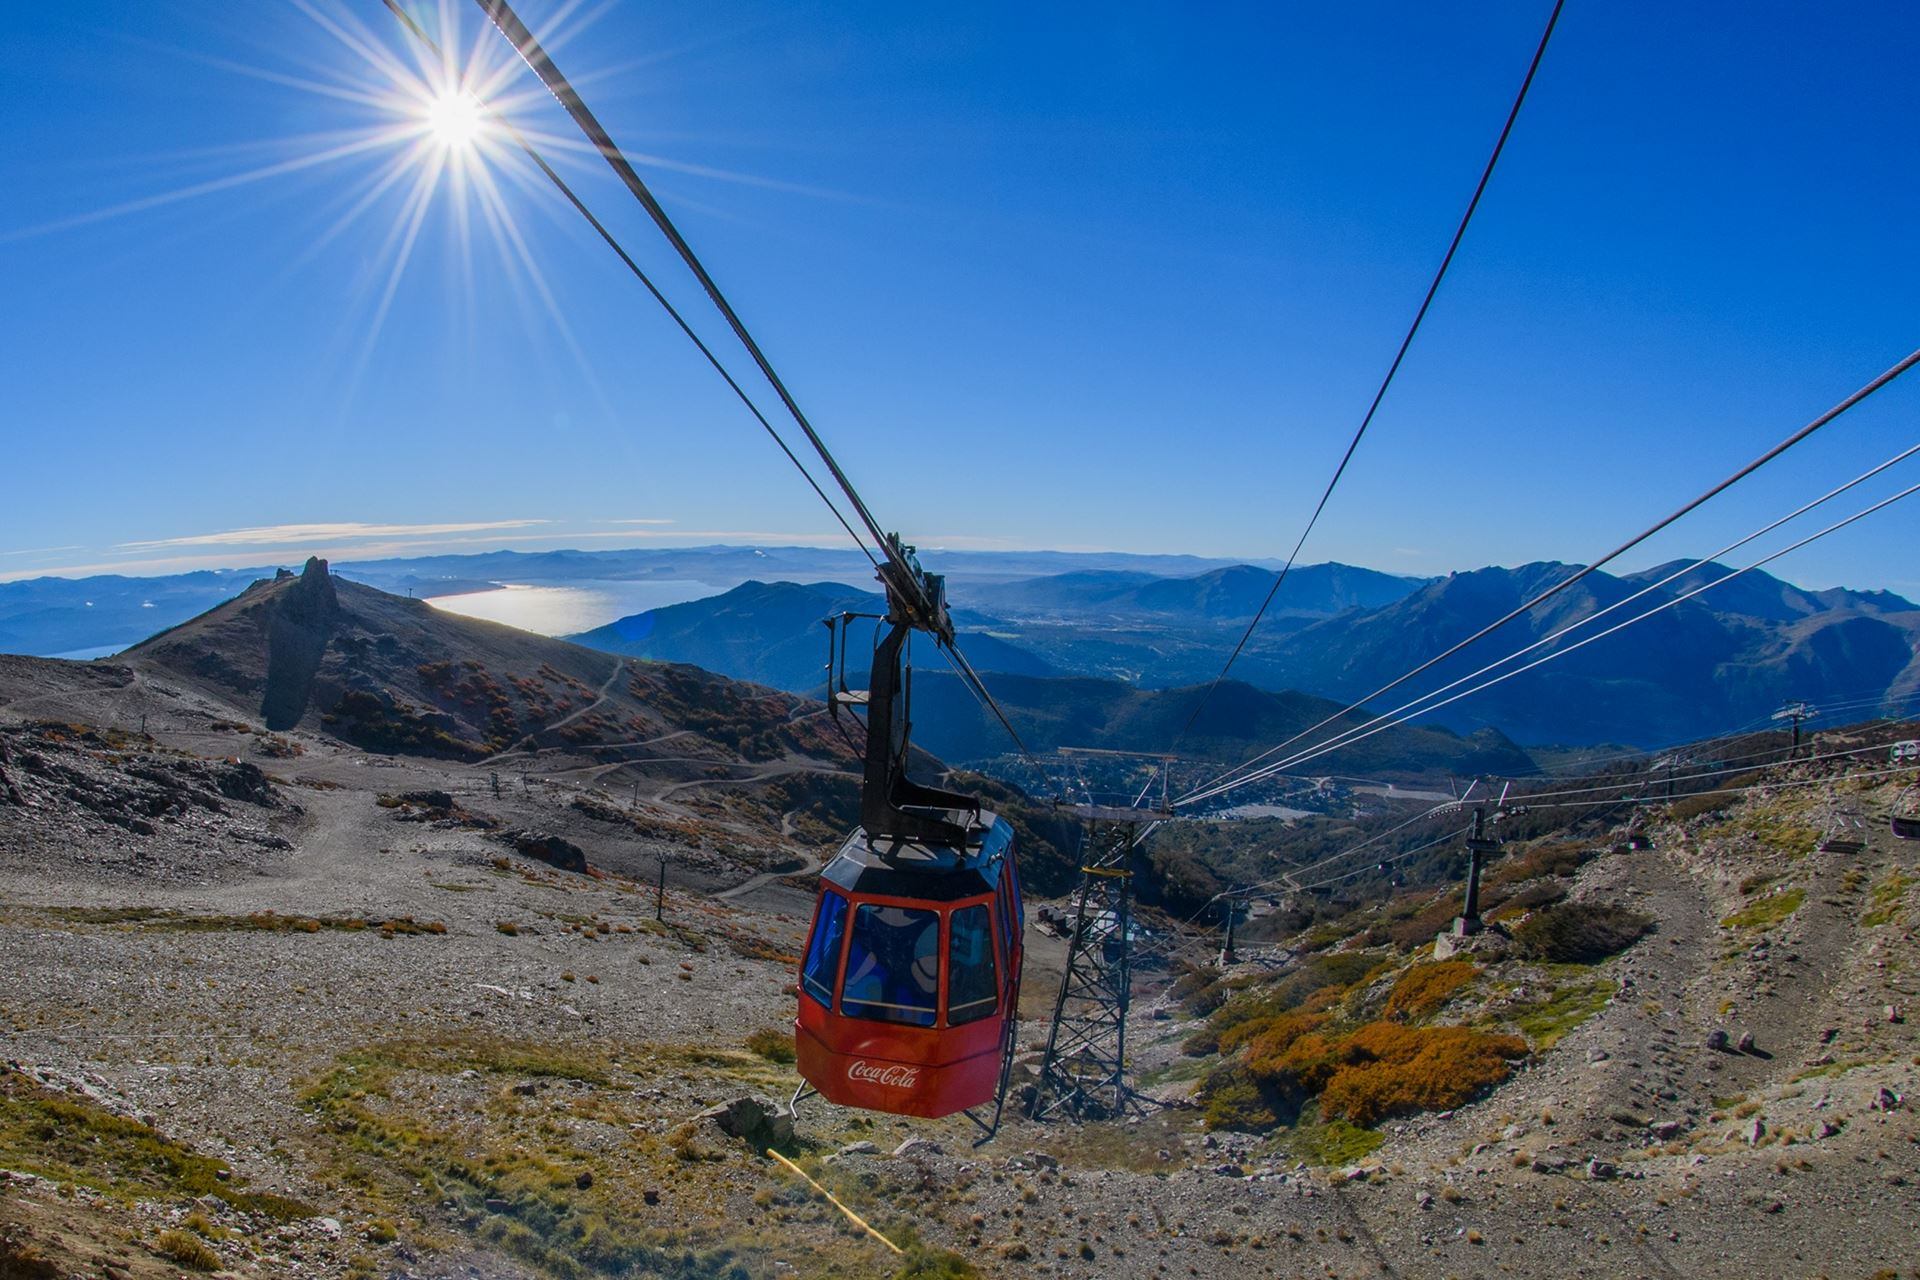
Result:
{"points": [[555, 851], [1745, 1043], [1717, 1040], [760, 1121]]}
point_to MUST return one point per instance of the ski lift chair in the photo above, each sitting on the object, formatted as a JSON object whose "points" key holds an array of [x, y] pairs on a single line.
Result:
{"points": [[1843, 833], [1905, 818]]}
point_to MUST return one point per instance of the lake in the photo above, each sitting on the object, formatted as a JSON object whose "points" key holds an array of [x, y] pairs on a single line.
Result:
{"points": [[580, 606]]}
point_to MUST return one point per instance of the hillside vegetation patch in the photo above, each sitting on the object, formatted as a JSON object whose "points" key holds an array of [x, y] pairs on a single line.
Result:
{"points": [[69, 1139], [1579, 932], [1883, 903], [1768, 911], [1546, 1021], [1424, 989]]}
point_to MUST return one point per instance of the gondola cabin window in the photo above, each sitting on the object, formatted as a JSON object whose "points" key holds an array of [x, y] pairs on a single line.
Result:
{"points": [[972, 992], [893, 966], [823, 956]]}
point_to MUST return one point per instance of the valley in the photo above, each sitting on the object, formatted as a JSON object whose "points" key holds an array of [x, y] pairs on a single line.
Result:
{"points": [[408, 1003]]}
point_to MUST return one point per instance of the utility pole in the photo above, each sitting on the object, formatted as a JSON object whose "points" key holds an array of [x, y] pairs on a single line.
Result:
{"points": [[1478, 847], [660, 893], [1227, 955], [1667, 763], [1796, 712]]}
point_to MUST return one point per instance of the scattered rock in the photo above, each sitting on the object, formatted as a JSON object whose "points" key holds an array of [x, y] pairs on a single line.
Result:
{"points": [[917, 1146], [1886, 1100], [330, 1227], [1717, 1040], [1597, 1054], [1600, 1170], [1753, 1132], [1826, 1129], [1745, 1043], [862, 1148]]}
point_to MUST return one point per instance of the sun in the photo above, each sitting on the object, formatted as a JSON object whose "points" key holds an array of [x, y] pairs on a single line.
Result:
{"points": [[455, 119]]}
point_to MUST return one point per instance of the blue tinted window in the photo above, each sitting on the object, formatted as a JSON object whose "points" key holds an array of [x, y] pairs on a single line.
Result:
{"points": [[823, 949], [893, 965], [971, 991]]}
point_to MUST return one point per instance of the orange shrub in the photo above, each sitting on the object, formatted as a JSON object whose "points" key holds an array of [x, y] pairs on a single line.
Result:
{"points": [[1424, 988], [1386, 1069], [1306, 1065], [1270, 1037]]}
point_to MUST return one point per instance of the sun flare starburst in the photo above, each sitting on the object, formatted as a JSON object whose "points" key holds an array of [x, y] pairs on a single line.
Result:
{"points": [[455, 119]]}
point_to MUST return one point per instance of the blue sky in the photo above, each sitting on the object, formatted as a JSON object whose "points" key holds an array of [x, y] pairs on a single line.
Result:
{"points": [[1115, 276]]}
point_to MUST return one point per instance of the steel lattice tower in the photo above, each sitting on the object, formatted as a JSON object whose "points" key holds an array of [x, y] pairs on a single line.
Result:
{"points": [[1085, 1069]]}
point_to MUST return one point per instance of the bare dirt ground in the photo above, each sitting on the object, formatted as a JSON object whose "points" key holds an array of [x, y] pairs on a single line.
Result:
{"points": [[326, 1036]]}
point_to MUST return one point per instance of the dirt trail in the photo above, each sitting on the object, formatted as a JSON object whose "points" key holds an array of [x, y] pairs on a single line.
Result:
{"points": [[600, 699]]}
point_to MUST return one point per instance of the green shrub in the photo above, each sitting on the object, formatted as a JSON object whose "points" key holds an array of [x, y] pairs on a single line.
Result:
{"points": [[774, 1046], [1233, 1099], [186, 1251], [1579, 932], [1768, 911], [1538, 894], [1546, 1020]]}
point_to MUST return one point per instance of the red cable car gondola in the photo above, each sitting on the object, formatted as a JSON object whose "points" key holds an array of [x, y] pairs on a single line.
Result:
{"points": [[910, 981]]}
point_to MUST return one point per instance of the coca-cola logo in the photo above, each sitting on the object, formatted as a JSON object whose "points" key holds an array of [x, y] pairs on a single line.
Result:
{"points": [[892, 1075]]}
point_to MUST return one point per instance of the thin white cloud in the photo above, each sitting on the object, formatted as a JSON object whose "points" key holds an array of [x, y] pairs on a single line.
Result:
{"points": [[655, 520], [40, 551], [150, 565], [279, 535]]}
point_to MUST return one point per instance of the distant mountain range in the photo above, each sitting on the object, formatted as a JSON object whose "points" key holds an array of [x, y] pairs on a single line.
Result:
{"points": [[1151, 623], [1699, 667], [770, 632]]}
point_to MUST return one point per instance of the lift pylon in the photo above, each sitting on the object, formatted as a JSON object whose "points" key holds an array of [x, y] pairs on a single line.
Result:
{"points": [[1084, 1073]]}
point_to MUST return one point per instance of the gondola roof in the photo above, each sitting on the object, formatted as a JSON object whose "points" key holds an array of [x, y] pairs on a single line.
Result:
{"points": [[898, 868]]}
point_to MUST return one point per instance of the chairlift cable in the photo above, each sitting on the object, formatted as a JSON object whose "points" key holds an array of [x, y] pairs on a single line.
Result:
{"points": [[504, 19], [1406, 342], [561, 185], [508, 23], [1381, 724], [1823, 420], [1412, 709], [1735, 791]]}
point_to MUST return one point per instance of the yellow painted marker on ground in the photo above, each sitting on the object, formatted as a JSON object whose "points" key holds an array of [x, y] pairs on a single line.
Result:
{"points": [[858, 1221]]}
